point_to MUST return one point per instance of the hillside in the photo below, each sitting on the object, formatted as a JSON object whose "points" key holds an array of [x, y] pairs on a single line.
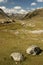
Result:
{"points": [[36, 13], [3, 16]]}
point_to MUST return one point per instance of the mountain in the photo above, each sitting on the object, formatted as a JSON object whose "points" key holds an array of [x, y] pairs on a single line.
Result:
{"points": [[15, 16], [3, 16], [33, 14]]}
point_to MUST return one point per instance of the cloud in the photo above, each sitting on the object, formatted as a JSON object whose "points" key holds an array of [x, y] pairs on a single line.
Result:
{"points": [[2, 7], [14, 10], [22, 11], [39, 0], [19, 11], [39, 7], [32, 9], [33, 4], [17, 7], [3, 1]]}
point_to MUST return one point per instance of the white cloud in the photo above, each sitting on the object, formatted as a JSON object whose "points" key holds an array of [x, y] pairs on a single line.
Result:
{"points": [[3, 1], [2, 7], [22, 11], [32, 9], [39, 7], [39, 0], [33, 4], [14, 10], [17, 7]]}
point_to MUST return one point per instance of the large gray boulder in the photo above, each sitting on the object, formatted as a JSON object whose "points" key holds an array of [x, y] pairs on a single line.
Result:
{"points": [[17, 56], [33, 50]]}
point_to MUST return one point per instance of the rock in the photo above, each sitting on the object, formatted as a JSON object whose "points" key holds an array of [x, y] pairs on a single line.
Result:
{"points": [[16, 32], [17, 56], [34, 50]]}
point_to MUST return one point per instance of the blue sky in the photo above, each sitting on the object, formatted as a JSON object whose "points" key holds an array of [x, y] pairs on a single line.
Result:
{"points": [[24, 4]]}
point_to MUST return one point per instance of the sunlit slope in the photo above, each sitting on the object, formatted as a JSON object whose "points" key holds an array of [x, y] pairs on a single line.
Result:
{"points": [[36, 13]]}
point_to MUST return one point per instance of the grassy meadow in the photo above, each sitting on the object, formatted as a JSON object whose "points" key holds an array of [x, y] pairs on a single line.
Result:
{"points": [[15, 37]]}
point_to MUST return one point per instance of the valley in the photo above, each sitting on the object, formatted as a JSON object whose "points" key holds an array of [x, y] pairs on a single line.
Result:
{"points": [[17, 36]]}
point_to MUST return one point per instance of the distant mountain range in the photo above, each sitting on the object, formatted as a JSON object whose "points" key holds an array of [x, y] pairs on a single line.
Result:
{"points": [[8, 16], [15, 16]]}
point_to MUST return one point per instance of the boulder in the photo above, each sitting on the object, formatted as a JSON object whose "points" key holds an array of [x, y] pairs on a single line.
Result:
{"points": [[33, 50], [17, 56]]}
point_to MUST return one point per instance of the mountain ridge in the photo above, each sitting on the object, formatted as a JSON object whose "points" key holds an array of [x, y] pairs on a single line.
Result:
{"points": [[35, 13]]}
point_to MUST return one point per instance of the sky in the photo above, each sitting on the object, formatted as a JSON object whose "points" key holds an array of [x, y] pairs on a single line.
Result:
{"points": [[20, 6]]}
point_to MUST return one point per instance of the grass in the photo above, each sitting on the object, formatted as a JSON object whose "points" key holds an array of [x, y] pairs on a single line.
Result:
{"points": [[10, 42]]}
